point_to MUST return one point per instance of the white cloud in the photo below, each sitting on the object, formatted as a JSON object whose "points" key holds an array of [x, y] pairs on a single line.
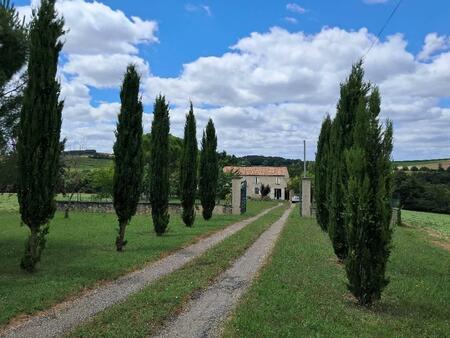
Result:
{"points": [[270, 91], [198, 8], [273, 89], [433, 43], [102, 70], [295, 8], [290, 19]]}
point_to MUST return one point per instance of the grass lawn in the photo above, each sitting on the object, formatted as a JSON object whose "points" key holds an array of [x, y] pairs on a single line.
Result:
{"points": [[8, 202], [302, 292], [80, 252], [439, 223], [143, 313]]}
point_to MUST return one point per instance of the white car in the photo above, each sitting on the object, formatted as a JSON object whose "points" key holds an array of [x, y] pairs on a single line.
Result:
{"points": [[295, 199]]}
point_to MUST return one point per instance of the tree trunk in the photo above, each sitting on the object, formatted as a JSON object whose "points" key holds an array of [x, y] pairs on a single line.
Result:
{"points": [[31, 251], [66, 213], [120, 238]]}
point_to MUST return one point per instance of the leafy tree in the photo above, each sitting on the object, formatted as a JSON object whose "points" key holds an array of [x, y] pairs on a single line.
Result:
{"points": [[209, 170], [13, 56], [159, 165], [414, 168], [352, 92], [294, 184], [100, 181], [368, 197], [39, 147], [128, 154], [322, 175], [224, 185], [188, 169]]}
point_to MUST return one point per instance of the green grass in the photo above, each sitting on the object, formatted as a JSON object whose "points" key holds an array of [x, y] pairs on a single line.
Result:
{"points": [[144, 312], [87, 163], [8, 202], [302, 292], [80, 252], [427, 220]]}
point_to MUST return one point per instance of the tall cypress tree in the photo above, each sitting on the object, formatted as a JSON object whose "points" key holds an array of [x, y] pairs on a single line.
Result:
{"points": [[368, 210], [188, 170], [38, 146], [159, 165], [341, 139], [209, 170], [322, 171], [128, 155]]}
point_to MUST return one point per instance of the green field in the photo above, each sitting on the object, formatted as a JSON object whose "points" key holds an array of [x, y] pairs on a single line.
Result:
{"points": [[432, 164], [80, 252], [87, 163], [302, 292], [439, 223]]}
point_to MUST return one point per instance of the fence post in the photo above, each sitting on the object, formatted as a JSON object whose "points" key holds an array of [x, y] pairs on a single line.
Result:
{"points": [[306, 197], [236, 196]]}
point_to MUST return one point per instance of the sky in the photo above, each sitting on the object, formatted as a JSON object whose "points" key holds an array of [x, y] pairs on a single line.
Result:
{"points": [[267, 72]]}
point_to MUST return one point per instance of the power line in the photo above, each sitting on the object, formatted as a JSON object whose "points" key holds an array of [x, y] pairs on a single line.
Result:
{"points": [[386, 23], [389, 18]]}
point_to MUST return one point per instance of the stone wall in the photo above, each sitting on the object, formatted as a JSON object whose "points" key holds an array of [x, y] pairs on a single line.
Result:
{"points": [[142, 208]]}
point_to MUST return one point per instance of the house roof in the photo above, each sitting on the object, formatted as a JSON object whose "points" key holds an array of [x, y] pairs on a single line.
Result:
{"points": [[258, 171]]}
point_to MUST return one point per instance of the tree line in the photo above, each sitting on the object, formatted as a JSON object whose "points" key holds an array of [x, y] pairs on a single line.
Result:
{"points": [[353, 186], [39, 147]]}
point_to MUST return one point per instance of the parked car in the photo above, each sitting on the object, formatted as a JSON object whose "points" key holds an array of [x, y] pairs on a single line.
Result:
{"points": [[295, 199]]}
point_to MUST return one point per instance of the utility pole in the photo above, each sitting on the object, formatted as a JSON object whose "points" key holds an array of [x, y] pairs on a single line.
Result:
{"points": [[304, 158]]}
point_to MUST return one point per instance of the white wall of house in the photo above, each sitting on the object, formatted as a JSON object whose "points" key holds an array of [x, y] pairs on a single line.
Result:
{"points": [[275, 182]]}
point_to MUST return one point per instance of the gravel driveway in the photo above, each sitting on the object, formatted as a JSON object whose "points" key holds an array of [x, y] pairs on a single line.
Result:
{"points": [[204, 316], [66, 316]]}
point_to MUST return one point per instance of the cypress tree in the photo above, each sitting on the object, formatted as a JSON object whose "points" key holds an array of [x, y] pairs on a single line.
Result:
{"points": [[209, 170], [368, 210], [159, 165], [322, 170], [38, 146], [128, 155], [341, 139], [188, 169]]}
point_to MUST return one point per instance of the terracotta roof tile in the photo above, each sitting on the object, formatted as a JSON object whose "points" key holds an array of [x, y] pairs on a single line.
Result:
{"points": [[258, 171]]}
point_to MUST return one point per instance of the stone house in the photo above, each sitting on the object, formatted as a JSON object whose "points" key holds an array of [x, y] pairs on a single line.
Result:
{"points": [[276, 177]]}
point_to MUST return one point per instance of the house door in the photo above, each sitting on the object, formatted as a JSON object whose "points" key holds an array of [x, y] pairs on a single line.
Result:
{"points": [[277, 193]]}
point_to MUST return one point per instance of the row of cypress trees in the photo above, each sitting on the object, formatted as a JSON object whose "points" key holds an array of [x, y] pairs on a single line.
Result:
{"points": [[39, 147], [353, 179], [129, 164]]}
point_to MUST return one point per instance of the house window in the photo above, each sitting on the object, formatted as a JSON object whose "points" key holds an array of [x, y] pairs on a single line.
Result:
{"points": [[256, 191], [256, 180], [277, 180]]}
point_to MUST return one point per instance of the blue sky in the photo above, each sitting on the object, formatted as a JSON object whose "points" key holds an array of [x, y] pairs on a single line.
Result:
{"points": [[186, 38]]}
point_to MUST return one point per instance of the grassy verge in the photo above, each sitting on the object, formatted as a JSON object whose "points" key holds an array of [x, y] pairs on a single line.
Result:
{"points": [[80, 252], [439, 223], [144, 312], [302, 292]]}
